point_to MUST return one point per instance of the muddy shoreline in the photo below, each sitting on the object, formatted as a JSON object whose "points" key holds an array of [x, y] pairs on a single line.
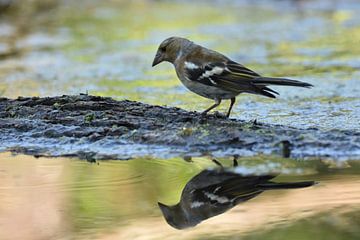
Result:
{"points": [[93, 127]]}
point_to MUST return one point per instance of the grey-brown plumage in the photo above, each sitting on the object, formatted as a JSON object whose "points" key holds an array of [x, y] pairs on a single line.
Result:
{"points": [[213, 75], [213, 192]]}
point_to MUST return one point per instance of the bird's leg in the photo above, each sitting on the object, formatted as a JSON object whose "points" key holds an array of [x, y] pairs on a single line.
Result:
{"points": [[231, 105], [235, 162], [217, 103], [217, 163]]}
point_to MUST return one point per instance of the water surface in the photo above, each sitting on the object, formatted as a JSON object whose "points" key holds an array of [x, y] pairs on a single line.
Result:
{"points": [[71, 199]]}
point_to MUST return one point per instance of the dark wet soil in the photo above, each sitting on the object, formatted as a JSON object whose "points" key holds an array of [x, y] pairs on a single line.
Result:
{"points": [[94, 127]]}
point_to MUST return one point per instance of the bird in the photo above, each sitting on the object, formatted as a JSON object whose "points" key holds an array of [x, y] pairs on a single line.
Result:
{"points": [[212, 75], [214, 191]]}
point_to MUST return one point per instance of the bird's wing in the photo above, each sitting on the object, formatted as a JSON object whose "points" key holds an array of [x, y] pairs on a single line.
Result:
{"points": [[232, 190], [227, 75]]}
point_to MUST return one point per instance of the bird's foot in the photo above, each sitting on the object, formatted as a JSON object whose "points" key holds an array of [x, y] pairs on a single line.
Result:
{"points": [[204, 114], [188, 159], [220, 115]]}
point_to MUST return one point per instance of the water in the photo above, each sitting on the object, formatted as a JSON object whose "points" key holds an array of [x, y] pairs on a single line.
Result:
{"points": [[70, 199], [106, 48]]}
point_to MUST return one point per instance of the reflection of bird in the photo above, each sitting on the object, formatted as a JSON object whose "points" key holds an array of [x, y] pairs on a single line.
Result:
{"points": [[213, 75], [212, 192]]}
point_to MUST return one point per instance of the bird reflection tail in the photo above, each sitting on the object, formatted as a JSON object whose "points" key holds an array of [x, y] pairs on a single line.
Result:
{"points": [[285, 185]]}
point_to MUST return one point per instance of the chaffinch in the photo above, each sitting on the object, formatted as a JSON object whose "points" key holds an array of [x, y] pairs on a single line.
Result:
{"points": [[213, 192], [213, 75]]}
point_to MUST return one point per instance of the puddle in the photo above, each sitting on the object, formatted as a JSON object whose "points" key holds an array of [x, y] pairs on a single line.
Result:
{"points": [[73, 199]]}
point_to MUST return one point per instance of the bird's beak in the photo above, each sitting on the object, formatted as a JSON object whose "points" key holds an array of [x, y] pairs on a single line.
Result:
{"points": [[158, 59], [161, 205], [164, 209]]}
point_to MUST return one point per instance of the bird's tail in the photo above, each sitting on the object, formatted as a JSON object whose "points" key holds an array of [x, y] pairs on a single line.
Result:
{"points": [[285, 185], [280, 82]]}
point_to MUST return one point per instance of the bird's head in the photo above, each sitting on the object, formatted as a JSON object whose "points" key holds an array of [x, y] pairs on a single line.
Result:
{"points": [[175, 216], [170, 49]]}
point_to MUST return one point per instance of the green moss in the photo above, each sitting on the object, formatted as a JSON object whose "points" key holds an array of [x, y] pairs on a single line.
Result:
{"points": [[57, 105], [89, 117]]}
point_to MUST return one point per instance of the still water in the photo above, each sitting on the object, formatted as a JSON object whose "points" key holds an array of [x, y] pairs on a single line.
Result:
{"points": [[106, 48], [71, 199]]}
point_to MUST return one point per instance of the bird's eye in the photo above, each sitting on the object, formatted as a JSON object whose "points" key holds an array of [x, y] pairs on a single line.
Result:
{"points": [[163, 49]]}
